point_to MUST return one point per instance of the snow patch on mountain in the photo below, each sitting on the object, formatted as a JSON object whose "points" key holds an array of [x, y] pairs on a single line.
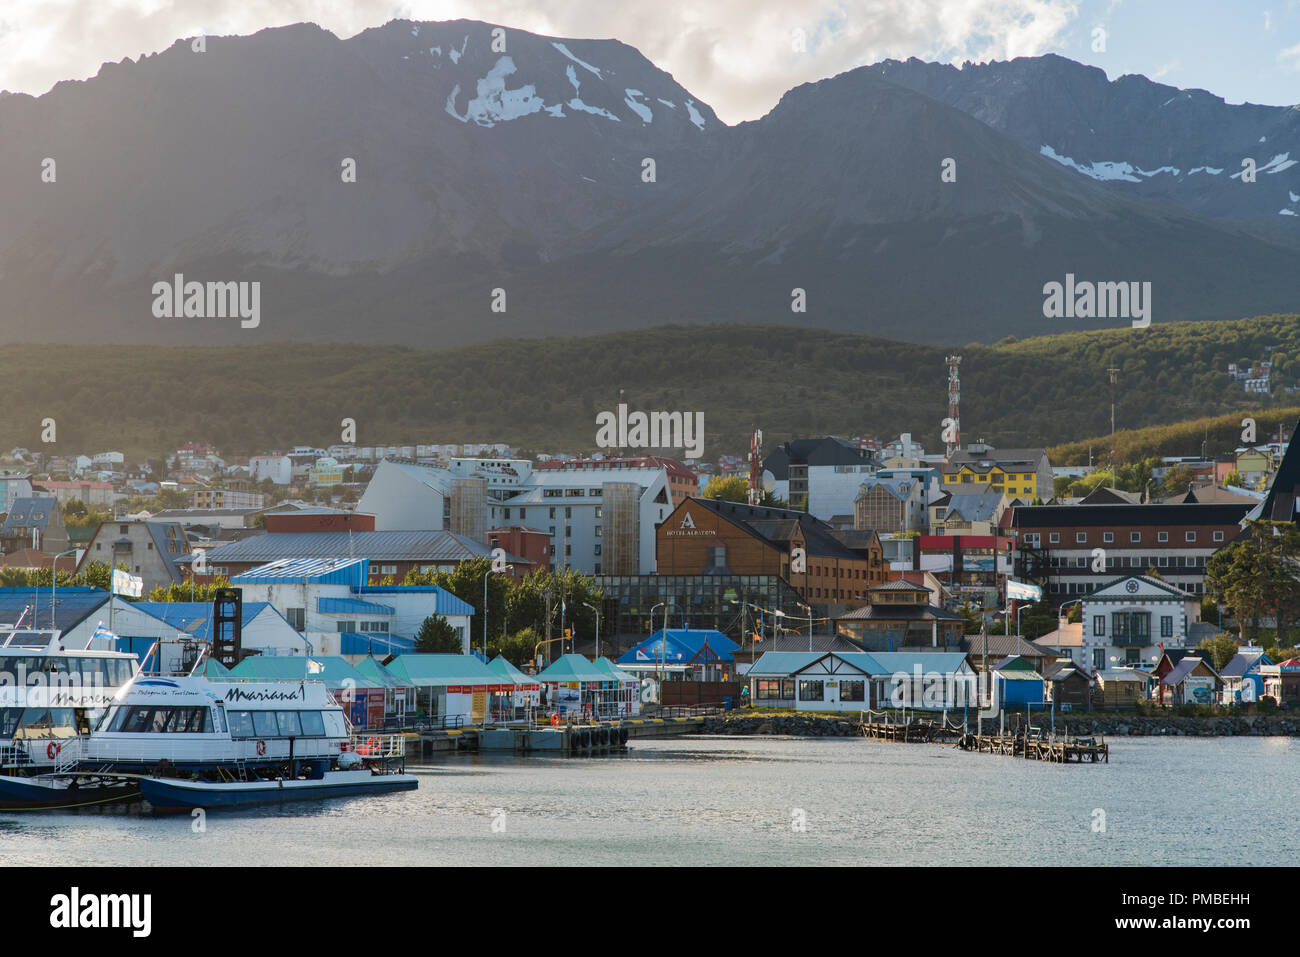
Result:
{"points": [[668, 103], [637, 107], [1101, 171], [582, 63], [457, 54], [1206, 169], [1285, 212], [494, 103], [1294, 197], [1279, 163], [577, 104], [696, 118]]}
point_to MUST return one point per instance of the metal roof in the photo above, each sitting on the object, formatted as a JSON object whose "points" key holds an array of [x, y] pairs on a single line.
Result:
{"points": [[350, 606], [319, 571], [393, 546], [439, 670], [371, 668], [28, 513], [368, 643], [574, 667], [782, 663], [195, 617], [72, 605], [331, 669]]}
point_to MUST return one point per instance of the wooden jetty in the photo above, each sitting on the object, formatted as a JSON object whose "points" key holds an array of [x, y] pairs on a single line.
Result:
{"points": [[1039, 747], [1035, 744]]}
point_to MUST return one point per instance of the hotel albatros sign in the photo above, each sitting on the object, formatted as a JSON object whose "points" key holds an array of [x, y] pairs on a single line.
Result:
{"points": [[687, 528]]}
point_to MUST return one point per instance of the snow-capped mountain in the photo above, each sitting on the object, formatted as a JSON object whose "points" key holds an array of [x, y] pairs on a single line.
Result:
{"points": [[1184, 147], [386, 186]]}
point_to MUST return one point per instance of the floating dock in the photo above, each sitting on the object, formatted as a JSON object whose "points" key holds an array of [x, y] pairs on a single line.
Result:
{"points": [[567, 739], [1036, 744]]}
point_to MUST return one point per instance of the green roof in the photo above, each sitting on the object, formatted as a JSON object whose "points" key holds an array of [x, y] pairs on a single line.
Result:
{"points": [[437, 670], [331, 669], [211, 668], [508, 671], [573, 668], [618, 673], [371, 668]]}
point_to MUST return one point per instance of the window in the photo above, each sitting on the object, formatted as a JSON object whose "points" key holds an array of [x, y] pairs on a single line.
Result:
{"points": [[241, 724], [1135, 536], [1135, 626], [1166, 626], [552, 515], [1053, 538], [297, 618], [811, 691], [1099, 658], [597, 531], [768, 690], [1108, 537], [522, 512], [388, 569], [1162, 536], [1099, 625], [264, 724], [596, 549], [1189, 536], [287, 721], [1080, 537], [853, 691], [1218, 536]]}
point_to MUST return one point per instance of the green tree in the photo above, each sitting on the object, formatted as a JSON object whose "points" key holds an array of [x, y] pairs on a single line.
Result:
{"points": [[1222, 648], [727, 488], [436, 636]]}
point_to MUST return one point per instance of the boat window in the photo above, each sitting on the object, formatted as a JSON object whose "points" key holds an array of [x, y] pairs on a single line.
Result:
{"points": [[241, 724], [137, 720], [21, 665], [264, 724], [47, 723], [218, 725], [289, 726], [9, 718], [122, 670], [313, 724]]}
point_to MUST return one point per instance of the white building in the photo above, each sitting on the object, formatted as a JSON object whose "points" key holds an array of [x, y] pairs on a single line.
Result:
{"points": [[328, 602], [600, 521], [1130, 620], [277, 468]]}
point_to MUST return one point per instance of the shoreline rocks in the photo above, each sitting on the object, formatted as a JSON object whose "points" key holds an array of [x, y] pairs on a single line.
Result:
{"points": [[794, 724]]}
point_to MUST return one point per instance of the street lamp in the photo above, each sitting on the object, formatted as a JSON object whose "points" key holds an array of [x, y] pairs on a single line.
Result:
{"points": [[485, 581], [597, 614], [54, 583]]}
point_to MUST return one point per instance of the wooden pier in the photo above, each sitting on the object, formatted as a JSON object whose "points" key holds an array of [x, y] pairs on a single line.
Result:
{"points": [[1039, 747], [1036, 744]]}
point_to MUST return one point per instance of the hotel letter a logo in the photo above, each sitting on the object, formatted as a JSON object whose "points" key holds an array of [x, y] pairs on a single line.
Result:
{"points": [[687, 521]]}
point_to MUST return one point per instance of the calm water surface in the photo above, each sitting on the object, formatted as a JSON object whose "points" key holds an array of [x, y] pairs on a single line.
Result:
{"points": [[727, 800]]}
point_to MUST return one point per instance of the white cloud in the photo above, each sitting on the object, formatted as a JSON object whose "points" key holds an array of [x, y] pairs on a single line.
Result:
{"points": [[735, 55], [1290, 57]]}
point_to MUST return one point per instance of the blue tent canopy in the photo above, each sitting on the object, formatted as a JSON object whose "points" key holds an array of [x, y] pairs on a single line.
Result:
{"points": [[682, 646]]}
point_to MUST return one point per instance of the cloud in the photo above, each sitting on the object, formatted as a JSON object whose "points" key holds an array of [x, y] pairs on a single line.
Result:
{"points": [[736, 55], [1290, 57]]}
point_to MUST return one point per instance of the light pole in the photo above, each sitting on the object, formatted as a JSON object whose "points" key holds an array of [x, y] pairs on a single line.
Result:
{"points": [[809, 607], [485, 583], [597, 614], [54, 583]]}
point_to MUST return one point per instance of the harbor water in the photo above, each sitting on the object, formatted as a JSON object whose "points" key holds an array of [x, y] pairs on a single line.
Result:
{"points": [[731, 800]]}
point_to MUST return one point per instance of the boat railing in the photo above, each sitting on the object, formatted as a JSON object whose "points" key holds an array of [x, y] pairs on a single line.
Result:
{"points": [[119, 750], [69, 755], [15, 755], [379, 746]]}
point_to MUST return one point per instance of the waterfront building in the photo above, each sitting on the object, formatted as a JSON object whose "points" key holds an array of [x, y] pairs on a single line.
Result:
{"points": [[899, 615], [452, 690], [399, 694], [683, 654], [830, 570], [1243, 679], [573, 684], [527, 690], [1019, 685], [859, 681], [1069, 687], [1134, 620], [330, 603], [1070, 550], [1121, 687], [1192, 681]]}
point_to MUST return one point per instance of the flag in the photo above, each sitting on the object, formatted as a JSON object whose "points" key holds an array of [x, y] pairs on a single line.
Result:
{"points": [[314, 667], [1018, 591], [125, 584], [101, 632]]}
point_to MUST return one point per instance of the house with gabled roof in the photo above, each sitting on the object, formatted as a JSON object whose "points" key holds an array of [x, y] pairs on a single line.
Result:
{"points": [[1133, 620], [34, 522], [1192, 681], [154, 551], [1243, 679]]}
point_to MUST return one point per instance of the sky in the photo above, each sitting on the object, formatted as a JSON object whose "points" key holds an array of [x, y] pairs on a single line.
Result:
{"points": [[739, 56]]}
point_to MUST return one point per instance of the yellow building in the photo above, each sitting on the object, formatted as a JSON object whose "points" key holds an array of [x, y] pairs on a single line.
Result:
{"points": [[1025, 474]]}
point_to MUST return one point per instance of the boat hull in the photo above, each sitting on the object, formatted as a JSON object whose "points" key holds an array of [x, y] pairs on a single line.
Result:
{"points": [[168, 794], [57, 792]]}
